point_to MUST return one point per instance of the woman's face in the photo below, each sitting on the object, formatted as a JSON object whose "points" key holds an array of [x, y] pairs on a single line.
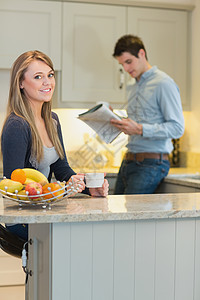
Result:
{"points": [[39, 82]]}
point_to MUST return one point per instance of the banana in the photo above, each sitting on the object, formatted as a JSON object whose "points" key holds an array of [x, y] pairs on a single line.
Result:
{"points": [[10, 186], [21, 195], [35, 175], [28, 180]]}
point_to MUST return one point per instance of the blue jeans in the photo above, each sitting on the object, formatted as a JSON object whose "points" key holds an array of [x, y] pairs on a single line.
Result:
{"points": [[136, 177]]}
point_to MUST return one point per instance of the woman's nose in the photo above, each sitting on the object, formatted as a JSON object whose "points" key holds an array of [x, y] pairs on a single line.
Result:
{"points": [[46, 80]]}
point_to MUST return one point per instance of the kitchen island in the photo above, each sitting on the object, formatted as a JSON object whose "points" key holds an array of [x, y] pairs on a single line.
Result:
{"points": [[120, 247]]}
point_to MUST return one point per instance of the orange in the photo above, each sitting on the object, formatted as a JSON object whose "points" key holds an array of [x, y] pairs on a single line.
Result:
{"points": [[18, 175], [47, 188], [54, 186], [60, 188]]}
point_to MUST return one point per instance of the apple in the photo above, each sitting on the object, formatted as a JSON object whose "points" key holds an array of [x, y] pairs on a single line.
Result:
{"points": [[33, 189]]}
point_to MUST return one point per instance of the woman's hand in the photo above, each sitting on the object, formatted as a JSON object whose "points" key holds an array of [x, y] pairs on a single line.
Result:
{"points": [[100, 191], [78, 182]]}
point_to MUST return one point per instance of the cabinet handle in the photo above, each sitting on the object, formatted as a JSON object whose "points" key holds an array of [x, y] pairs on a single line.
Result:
{"points": [[122, 78]]}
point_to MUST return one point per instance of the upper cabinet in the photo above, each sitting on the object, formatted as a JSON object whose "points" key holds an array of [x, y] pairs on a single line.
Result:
{"points": [[165, 35], [29, 25], [89, 72], [80, 39], [90, 31]]}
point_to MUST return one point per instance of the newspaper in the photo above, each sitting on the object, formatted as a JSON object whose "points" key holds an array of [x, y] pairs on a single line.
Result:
{"points": [[98, 118]]}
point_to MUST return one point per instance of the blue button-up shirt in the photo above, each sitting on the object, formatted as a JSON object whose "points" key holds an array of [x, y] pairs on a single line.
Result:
{"points": [[154, 101]]}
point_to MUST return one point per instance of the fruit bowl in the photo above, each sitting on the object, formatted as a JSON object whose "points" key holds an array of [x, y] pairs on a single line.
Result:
{"points": [[65, 191]]}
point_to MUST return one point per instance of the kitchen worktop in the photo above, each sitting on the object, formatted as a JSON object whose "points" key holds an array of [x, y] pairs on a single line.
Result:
{"points": [[190, 180], [114, 207], [123, 207]]}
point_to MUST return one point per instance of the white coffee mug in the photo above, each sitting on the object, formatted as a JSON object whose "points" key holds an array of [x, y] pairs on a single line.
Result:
{"points": [[94, 180]]}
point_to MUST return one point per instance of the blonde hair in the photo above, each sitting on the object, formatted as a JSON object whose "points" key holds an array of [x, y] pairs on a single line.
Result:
{"points": [[18, 104]]}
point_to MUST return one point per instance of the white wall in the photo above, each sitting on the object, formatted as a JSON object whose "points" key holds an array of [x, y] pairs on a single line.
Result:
{"points": [[194, 127], [73, 129], [191, 140]]}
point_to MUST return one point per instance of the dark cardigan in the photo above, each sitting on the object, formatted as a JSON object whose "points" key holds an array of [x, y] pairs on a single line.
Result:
{"points": [[16, 149]]}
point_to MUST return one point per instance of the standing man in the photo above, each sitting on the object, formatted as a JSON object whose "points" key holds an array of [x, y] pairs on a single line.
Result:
{"points": [[154, 118]]}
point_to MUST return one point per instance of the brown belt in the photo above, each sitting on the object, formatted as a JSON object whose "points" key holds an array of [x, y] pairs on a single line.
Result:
{"points": [[143, 155]]}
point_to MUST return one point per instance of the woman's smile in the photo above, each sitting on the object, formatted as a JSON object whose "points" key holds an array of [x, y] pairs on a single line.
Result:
{"points": [[39, 82]]}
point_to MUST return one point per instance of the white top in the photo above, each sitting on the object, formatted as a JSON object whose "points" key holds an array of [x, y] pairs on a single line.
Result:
{"points": [[50, 156]]}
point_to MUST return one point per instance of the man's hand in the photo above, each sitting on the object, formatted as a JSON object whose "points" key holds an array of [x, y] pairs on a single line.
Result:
{"points": [[128, 126]]}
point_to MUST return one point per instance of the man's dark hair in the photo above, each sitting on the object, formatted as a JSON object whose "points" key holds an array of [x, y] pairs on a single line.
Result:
{"points": [[129, 43]]}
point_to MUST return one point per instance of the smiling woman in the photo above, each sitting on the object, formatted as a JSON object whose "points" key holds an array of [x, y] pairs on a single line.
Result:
{"points": [[31, 135], [39, 82], [31, 89]]}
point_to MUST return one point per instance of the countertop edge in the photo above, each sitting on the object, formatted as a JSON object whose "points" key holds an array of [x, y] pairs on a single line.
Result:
{"points": [[111, 208], [99, 217]]}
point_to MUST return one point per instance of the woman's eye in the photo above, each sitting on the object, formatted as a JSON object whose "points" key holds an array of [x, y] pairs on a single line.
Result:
{"points": [[38, 77], [51, 75]]}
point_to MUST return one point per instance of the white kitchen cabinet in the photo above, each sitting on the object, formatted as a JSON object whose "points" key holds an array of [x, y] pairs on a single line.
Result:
{"points": [[90, 31], [80, 38], [123, 259], [165, 35], [89, 72], [29, 25]]}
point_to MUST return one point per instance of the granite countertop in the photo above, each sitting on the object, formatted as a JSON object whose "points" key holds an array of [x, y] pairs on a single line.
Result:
{"points": [[184, 176], [189, 180], [114, 207]]}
